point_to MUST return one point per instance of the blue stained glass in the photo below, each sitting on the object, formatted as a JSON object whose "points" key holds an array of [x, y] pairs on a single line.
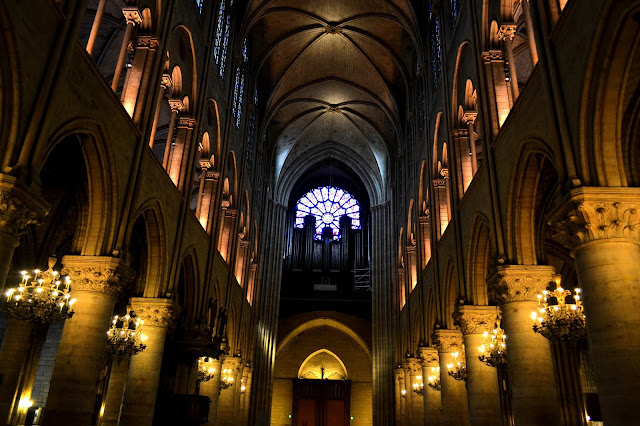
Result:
{"points": [[199, 4], [255, 96], [328, 205], [245, 53], [436, 48], [225, 45], [453, 8], [217, 48], [240, 101]]}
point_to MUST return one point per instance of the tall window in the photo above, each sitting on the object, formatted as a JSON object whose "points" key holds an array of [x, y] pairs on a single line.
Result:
{"points": [[217, 47], [453, 9], [238, 96], [436, 48], [328, 204], [223, 29], [199, 4]]}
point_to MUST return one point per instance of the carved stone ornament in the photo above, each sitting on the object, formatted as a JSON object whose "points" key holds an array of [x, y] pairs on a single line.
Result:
{"points": [[176, 105], [147, 41], [155, 312], [132, 15], [448, 341], [519, 283], [429, 356], [597, 213], [476, 319], [18, 208], [469, 117], [507, 31], [97, 274], [493, 55], [166, 81]]}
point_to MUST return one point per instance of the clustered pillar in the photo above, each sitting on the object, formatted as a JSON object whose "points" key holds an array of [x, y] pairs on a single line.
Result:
{"points": [[454, 393]]}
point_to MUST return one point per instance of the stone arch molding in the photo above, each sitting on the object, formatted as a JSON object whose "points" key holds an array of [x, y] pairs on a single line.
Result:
{"points": [[323, 322], [337, 370], [291, 172]]}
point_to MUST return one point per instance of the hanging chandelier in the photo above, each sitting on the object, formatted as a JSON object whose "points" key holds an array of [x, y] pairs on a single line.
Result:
{"points": [[227, 379], [418, 388], [125, 336], [457, 369], [206, 370], [42, 298], [560, 315], [494, 350], [433, 381]]}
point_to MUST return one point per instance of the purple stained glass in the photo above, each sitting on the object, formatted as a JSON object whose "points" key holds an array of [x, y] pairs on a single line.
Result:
{"points": [[328, 205]]}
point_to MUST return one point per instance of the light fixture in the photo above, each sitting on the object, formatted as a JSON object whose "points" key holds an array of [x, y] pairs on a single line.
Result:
{"points": [[206, 370], [560, 315], [227, 379], [42, 298], [494, 350], [456, 368], [433, 381], [418, 387], [403, 392], [125, 336]]}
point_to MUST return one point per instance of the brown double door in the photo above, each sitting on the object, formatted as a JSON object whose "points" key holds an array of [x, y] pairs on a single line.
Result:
{"points": [[321, 402]]}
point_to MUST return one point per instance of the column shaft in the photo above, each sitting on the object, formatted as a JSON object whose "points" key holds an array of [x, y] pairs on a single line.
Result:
{"points": [[95, 28], [482, 385], [115, 391], [211, 389], [121, 57], [15, 347], [454, 395]]}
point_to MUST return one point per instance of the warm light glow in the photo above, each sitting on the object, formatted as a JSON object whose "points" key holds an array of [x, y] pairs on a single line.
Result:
{"points": [[25, 403], [560, 314]]}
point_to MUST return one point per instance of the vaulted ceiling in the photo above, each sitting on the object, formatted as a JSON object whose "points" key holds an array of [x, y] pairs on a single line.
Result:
{"points": [[335, 71]]}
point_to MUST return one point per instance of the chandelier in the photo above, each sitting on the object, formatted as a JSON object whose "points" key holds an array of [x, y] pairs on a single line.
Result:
{"points": [[560, 315], [41, 299], [227, 379], [206, 370], [418, 388], [494, 350], [457, 369], [433, 381], [125, 336]]}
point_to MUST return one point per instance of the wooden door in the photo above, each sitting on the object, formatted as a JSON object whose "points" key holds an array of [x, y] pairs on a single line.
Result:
{"points": [[321, 402]]}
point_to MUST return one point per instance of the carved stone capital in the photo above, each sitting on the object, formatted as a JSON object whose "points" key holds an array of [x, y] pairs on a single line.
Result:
{"points": [[176, 105], [232, 363], [444, 172], [166, 81], [18, 207], [147, 41], [592, 214], [97, 274], [428, 356], [448, 341], [469, 117], [186, 122], [507, 31], [460, 133], [439, 183], [230, 213], [155, 312], [132, 15], [492, 55], [519, 283], [205, 164], [475, 319]]}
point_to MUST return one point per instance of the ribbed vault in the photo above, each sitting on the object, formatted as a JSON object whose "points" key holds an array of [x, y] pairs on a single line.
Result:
{"points": [[336, 72]]}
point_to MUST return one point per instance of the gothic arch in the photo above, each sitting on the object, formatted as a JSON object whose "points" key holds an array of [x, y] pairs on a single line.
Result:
{"points": [[524, 199], [343, 374], [187, 286], [479, 255], [182, 54], [609, 138], [152, 234], [450, 294], [101, 194]]}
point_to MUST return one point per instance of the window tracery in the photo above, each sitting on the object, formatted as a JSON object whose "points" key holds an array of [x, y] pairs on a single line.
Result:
{"points": [[328, 204], [217, 48], [436, 48], [199, 3], [238, 96], [454, 7]]}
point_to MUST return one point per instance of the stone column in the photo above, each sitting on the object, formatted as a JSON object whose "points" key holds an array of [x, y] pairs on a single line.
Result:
{"points": [[528, 23], [96, 26], [19, 208], [482, 380], [431, 399], [401, 397], [602, 225], [469, 118], [227, 403], [144, 372], [244, 394], [408, 397], [534, 394], [506, 34], [176, 106], [211, 389], [165, 84], [133, 17], [417, 408], [455, 411], [118, 372], [96, 281]]}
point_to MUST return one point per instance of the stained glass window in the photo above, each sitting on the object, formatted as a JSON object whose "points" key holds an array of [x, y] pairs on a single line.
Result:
{"points": [[255, 96], [436, 48], [328, 204], [245, 52], [250, 140], [217, 48], [238, 96], [453, 7], [199, 4], [225, 45]]}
